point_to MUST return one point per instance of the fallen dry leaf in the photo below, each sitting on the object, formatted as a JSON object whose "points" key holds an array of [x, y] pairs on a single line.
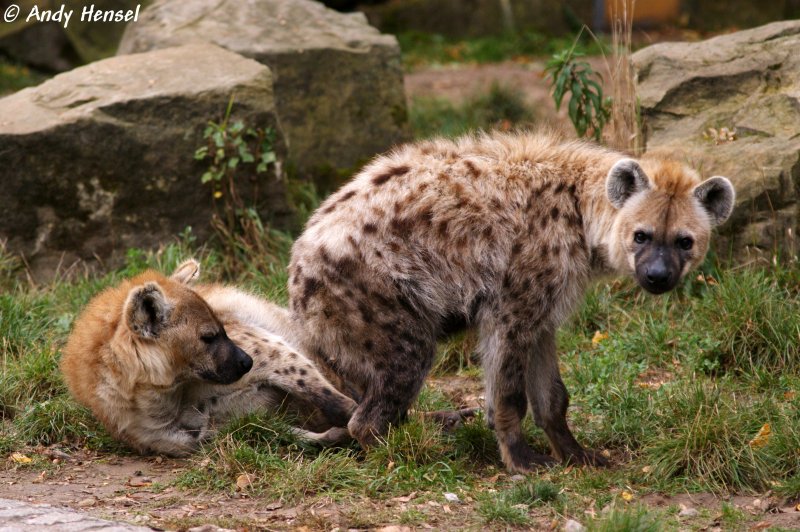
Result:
{"points": [[405, 498], [789, 395], [599, 337], [139, 482], [627, 496], [243, 481], [19, 458], [762, 437]]}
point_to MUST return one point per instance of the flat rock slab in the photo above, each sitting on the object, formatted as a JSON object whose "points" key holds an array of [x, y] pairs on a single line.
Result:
{"points": [[16, 516], [692, 95], [101, 159], [338, 81]]}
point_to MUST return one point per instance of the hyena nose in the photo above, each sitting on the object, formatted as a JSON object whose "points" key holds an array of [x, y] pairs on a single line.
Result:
{"points": [[657, 275], [245, 361]]}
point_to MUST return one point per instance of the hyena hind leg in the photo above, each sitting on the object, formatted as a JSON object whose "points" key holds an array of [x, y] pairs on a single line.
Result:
{"points": [[286, 369]]}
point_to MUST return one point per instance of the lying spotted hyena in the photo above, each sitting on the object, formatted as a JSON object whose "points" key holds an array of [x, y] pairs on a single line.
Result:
{"points": [[161, 363], [501, 233]]}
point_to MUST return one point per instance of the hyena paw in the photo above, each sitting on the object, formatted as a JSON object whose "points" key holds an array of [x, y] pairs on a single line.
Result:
{"points": [[587, 457], [450, 420], [520, 458]]}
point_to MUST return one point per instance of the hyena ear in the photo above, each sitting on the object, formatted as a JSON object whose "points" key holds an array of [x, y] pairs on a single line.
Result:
{"points": [[147, 310], [187, 272], [625, 179], [716, 195]]}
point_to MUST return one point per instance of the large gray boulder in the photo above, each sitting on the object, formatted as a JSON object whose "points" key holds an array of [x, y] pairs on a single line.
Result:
{"points": [[101, 159], [338, 81], [51, 46], [747, 82]]}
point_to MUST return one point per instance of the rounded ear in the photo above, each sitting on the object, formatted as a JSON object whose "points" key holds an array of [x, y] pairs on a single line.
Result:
{"points": [[717, 196], [187, 272], [625, 179], [147, 310]]}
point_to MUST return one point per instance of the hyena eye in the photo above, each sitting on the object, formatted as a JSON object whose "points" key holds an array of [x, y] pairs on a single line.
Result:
{"points": [[210, 338], [640, 237], [685, 243]]}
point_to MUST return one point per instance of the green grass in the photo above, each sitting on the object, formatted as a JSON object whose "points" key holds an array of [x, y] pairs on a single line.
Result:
{"points": [[424, 49], [676, 393], [500, 108]]}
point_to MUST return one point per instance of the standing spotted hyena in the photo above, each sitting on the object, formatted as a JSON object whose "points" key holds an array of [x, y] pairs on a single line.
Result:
{"points": [[499, 232]]}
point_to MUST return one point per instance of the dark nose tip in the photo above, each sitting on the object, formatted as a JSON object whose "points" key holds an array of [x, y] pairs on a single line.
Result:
{"points": [[657, 275], [245, 361]]}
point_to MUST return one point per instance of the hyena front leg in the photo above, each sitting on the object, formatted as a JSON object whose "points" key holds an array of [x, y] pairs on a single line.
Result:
{"points": [[549, 401], [504, 373]]}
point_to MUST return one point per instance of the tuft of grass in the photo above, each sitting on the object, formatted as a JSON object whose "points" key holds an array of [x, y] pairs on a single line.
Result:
{"points": [[511, 506], [633, 519], [707, 436], [475, 442], [755, 323], [501, 107]]}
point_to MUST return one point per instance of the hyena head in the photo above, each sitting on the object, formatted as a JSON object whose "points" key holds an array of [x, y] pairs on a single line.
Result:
{"points": [[171, 321], [664, 219]]}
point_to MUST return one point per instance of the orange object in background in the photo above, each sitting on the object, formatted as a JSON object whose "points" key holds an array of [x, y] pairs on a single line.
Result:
{"points": [[645, 12]]}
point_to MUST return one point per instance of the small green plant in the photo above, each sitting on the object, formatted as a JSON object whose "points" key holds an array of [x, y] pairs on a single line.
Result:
{"points": [[588, 110], [234, 150]]}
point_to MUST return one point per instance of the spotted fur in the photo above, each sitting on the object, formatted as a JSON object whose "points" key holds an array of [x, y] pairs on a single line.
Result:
{"points": [[501, 233], [161, 364]]}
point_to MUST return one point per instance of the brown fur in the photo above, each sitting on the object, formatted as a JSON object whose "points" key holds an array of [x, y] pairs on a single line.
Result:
{"points": [[498, 232], [160, 363]]}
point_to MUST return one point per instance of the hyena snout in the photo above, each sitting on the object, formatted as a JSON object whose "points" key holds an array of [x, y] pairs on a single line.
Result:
{"points": [[658, 273], [233, 364]]}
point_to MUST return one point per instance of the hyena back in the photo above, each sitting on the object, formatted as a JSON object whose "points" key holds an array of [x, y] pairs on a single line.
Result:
{"points": [[501, 233]]}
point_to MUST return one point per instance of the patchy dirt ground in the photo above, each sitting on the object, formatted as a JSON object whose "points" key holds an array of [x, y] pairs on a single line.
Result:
{"points": [[138, 490], [141, 490]]}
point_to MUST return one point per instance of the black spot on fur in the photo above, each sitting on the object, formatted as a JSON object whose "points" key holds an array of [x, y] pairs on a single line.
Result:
{"points": [[472, 170], [301, 383], [402, 226], [347, 196], [554, 213], [370, 228], [310, 287], [365, 311], [380, 179]]}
